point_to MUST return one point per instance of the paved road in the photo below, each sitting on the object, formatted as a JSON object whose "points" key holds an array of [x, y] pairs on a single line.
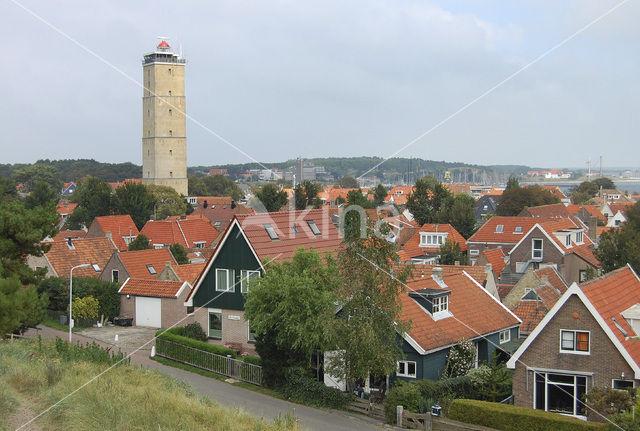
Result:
{"points": [[256, 404]]}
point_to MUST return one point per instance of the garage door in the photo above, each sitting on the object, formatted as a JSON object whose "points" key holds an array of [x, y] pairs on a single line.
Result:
{"points": [[148, 312]]}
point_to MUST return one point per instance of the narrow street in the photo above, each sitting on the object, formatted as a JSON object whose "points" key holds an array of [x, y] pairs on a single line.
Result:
{"points": [[254, 403]]}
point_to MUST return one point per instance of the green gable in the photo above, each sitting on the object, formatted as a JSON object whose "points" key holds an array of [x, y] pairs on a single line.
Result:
{"points": [[237, 255]]}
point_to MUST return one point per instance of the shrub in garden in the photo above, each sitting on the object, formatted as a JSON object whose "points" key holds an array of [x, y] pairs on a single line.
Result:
{"points": [[609, 401], [170, 335], [406, 394], [493, 381], [105, 292], [301, 388], [194, 331], [85, 308], [460, 359]]}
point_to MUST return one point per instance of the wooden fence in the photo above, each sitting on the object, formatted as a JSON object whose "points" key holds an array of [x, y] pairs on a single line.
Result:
{"points": [[428, 422], [366, 407], [218, 364]]}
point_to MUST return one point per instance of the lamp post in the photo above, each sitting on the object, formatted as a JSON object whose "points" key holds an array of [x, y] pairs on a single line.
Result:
{"points": [[84, 265]]}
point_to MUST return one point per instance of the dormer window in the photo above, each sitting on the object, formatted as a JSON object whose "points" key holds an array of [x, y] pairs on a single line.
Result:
{"points": [[499, 228], [440, 304], [199, 244], [433, 301], [428, 239], [271, 232], [579, 238], [313, 227], [567, 240]]}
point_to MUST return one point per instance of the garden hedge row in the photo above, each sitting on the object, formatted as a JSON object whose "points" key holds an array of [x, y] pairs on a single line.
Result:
{"points": [[507, 417]]}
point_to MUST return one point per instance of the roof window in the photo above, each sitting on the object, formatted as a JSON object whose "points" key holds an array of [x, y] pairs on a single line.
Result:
{"points": [[499, 228], [518, 229], [151, 269], [95, 267], [271, 231], [314, 227], [217, 223], [295, 228]]}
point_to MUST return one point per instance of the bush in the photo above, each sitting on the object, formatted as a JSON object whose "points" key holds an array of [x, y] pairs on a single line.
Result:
{"points": [[171, 335], [105, 292], [253, 360], [301, 388], [404, 394], [89, 352], [507, 417], [192, 330], [85, 308]]}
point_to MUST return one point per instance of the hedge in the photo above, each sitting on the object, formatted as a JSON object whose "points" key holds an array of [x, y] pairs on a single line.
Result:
{"points": [[300, 388], [170, 335], [507, 417]]}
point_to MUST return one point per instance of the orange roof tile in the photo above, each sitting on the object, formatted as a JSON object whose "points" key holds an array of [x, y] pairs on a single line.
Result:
{"points": [[623, 207], [184, 232], [592, 210], [476, 272], [156, 288], [189, 271], [65, 207], [453, 235], [136, 262], [219, 211], [509, 235], [546, 211], [495, 257], [119, 226], [64, 234], [96, 251]]}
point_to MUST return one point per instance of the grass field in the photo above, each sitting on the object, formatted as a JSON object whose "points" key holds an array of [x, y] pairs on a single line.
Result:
{"points": [[34, 375]]}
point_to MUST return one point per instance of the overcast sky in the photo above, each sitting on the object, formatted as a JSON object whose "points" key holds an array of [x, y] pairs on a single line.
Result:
{"points": [[327, 78]]}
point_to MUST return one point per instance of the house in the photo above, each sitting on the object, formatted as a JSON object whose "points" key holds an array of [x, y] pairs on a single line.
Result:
{"points": [[120, 228], [591, 216], [70, 252], [329, 196], [185, 272], [587, 339], [561, 243], [217, 298], [616, 213], [496, 258], [556, 191], [610, 196], [154, 303], [443, 309], [424, 244], [485, 207], [534, 295], [219, 210], [139, 264], [189, 233], [499, 232], [64, 208], [68, 189], [558, 210]]}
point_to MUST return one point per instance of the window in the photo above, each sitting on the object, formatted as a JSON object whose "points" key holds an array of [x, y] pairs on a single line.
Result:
{"points": [[217, 224], [536, 249], [518, 229], [271, 231], [169, 92], [440, 304], [114, 275], [505, 336], [621, 384], [151, 269], [579, 239], [191, 310], [225, 280], [252, 335], [574, 342], [170, 132], [171, 174], [171, 152], [215, 324], [499, 228], [245, 277], [295, 228], [567, 240], [95, 267], [169, 71], [582, 275], [198, 244], [474, 252], [170, 113], [427, 239], [406, 369], [560, 393], [313, 227]]}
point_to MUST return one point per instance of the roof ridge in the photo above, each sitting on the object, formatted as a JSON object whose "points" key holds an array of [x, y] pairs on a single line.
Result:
{"points": [[605, 276]]}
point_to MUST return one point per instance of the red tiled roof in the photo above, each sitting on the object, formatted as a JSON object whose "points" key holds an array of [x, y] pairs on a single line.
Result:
{"points": [[504, 290], [157, 288], [169, 232], [86, 250], [119, 226], [495, 257], [476, 272], [136, 262], [288, 241], [219, 211], [611, 295], [189, 271], [546, 211], [592, 210], [64, 234], [465, 301], [65, 207], [623, 207], [487, 232], [453, 235]]}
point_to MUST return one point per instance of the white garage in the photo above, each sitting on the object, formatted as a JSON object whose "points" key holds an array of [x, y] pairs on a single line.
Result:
{"points": [[148, 312]]}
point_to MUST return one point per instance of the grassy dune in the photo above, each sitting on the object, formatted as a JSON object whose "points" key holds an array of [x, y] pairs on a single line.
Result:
{"points": [[33, 376]]}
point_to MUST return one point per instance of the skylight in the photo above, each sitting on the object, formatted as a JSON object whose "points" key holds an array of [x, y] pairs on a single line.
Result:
{"points": [[499, 228], [518, 229], [271, 231], [295, 228], [151, 269], [313, 227], [95, 267]]}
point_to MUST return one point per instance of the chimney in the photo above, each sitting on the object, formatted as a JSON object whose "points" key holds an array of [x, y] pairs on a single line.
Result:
{"points": [[205, 204], [167, 263], [593, 228], [456, 263], [108, 235], [233, 204], [488, 268], [437, 274]]}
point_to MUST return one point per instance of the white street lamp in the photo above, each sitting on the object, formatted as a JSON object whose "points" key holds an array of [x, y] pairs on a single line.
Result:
{"points": [[84, 265]]}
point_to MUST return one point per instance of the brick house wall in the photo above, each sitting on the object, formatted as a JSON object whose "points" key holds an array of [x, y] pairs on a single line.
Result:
{"points": [[128, 307], [571, 267], [522, 253], [174, 312], [115, 263], [234, 328], [604, 361]]}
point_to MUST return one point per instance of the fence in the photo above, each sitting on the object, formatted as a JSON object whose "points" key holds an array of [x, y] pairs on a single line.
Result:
{"points": [[218, 364], [434, 423]]}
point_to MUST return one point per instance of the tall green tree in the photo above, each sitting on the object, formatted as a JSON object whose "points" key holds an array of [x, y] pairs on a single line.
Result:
{"points": [[136, 200], [30, 175], [141, 242], [306, 194], [427, 200], [7, 188], [219, 185], [515, 199], [179, 253], [167, 202], [196, 186], [348, 183], [459, 212], [450, 253], [93, 197], [19, 307], [379, 194], [621, 246], [41, 195], [272, 198]]}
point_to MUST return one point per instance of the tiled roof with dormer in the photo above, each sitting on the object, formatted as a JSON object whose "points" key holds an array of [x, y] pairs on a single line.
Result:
{"points": [[154, 288], [119, 226], [185, 232], [452, 235], [146, 264], [509, 234], [65, 254]]}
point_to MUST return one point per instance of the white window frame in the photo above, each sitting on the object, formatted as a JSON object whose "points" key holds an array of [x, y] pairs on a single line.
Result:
{"points": [[567, 241], [405, 365], [209, 312], [474, 252], [245, 276], [95, 267], [505, 336], [579, 237], [546, 391], [199, 244], [575, 342], [249, 340], [499, 228], [533, 249], [613, 382], [230, 275], [440, 304]]}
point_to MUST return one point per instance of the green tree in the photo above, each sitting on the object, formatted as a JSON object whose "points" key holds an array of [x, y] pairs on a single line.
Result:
{"points": [[19, 307], [272, 198], [580, 198], [106, 292], [136, 200], [460, 359], [7, 188], [219, 185], [30, 175], [621, 246], [604, 183], [85, 308], [587, 188], [379, 194], [427, 201], [459, 212], [41, 195], [493, 379], [348, 183], [196, 186], [299, 198], [167, 202], [365, 328], [352, 219], [513, 183], [93, 197], [515, 199], [140, 243], [450, 253], [306, 194], [179, 253], [21, 233], [291, 307]]}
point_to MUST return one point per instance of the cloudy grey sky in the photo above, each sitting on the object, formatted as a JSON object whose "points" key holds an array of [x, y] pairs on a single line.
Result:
{"points": [[329, 78]]}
